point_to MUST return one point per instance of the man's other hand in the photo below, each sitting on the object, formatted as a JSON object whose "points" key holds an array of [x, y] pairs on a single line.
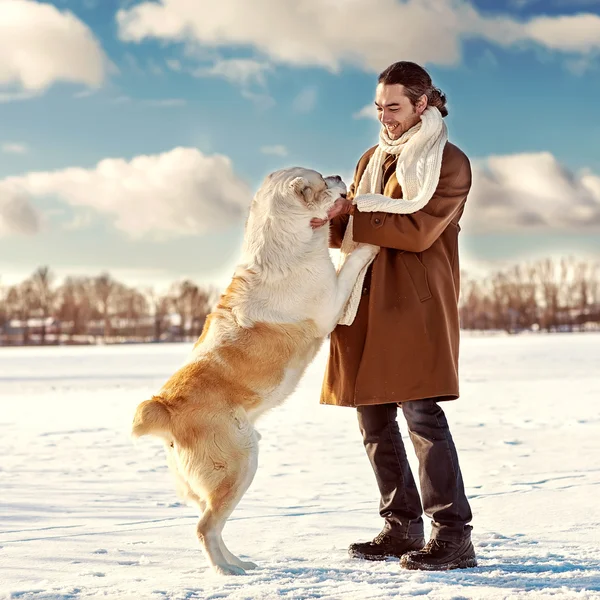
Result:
{"points": [[341, 206]]}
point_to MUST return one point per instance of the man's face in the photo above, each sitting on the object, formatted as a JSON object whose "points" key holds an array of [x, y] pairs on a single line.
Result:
{"points": [[395, 111]]}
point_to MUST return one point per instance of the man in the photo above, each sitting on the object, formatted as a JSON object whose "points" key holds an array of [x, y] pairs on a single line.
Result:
{"points": [[397, 345]]}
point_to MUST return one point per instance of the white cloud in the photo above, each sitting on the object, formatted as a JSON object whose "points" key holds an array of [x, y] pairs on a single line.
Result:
{"points": [[262, 100], [181, 192], [14, 148], [84, 94], [276, 150], [367, 112], [17, 215], [40, 45], [315, 33], [306, 100], [13, 96], [574, 33], [185, 192], [246, 73], [529, 193], [241, 71]]}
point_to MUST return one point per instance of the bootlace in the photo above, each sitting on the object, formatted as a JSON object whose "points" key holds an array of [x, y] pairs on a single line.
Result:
{"points": [[380, 538], [434, 545]]}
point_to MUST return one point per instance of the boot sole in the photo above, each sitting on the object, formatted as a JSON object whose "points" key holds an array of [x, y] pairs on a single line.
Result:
{"points": [[377, 557], [465, 563]]}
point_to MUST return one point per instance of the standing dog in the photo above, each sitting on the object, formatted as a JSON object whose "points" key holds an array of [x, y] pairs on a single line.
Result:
{"points": [[284, 299]]}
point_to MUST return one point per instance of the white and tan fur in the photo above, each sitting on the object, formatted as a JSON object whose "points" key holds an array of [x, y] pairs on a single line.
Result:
{"points": [[285, 297]]}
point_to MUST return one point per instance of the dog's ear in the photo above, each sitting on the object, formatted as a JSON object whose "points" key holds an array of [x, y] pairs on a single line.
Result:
{"points": [[301, 187]]}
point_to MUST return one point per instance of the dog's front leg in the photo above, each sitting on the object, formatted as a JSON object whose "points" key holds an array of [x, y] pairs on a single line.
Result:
{"points": [[358, 260]]}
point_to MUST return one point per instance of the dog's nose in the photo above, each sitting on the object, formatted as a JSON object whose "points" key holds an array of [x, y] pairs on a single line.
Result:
{"points": [[343, 195]]}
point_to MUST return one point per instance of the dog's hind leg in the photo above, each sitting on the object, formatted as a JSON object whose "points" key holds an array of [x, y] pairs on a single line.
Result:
{"points": [[184, 490], [221, 499], [232, 558]]}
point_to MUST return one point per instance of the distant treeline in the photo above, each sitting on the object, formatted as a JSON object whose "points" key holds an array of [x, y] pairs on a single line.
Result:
{"points": [[87, 310], [546, 295]]}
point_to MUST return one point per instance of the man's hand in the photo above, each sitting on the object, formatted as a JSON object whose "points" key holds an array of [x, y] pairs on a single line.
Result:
{"points": [[316, 223], [341, 206]]}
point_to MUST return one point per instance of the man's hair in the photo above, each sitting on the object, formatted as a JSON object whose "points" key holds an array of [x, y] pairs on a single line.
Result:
{"points": [[416, 81]]}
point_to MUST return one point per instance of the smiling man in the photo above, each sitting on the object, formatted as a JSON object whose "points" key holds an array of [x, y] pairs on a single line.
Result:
{"points": [[397, 343]]}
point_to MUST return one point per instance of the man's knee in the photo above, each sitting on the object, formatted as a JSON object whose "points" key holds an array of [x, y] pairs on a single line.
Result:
{"points": [[373, 420], [424, 413]]}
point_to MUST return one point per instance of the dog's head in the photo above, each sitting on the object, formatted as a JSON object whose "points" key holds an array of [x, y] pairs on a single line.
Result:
{"points": [[278, 227], [302, 191]]}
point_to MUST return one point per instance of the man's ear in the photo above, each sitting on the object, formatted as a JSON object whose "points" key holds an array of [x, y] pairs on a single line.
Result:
{"points": [[301, 187], [422, 103]]}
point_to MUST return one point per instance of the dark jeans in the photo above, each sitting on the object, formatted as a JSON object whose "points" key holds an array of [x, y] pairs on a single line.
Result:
{"points": [[442, 488]]}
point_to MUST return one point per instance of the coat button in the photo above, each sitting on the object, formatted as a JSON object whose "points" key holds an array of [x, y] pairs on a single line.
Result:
{"points": [[377, 221], [365, 290]]}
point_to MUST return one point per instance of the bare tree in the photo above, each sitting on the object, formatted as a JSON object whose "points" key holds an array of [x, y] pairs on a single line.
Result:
{"points": [[44, 296], [20, 305], [160, 306], [103, 287], [183, 295], [75, 304]]}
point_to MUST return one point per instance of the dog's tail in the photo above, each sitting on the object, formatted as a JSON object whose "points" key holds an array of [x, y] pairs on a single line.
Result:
{"points": [[151, 417]]}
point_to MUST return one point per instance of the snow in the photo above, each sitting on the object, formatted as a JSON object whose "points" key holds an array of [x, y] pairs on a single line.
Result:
{"points": [[85, 512]]}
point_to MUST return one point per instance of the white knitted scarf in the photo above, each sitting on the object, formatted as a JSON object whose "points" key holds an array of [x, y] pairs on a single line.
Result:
{"points": [[419, 152]]}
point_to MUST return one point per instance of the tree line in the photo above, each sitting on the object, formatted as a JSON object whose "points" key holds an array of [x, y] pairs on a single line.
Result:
{"points": [[99, 309], [547, 295]]}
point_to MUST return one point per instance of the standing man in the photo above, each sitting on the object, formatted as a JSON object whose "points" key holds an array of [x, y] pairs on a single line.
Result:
{"points": [[397, 342]]}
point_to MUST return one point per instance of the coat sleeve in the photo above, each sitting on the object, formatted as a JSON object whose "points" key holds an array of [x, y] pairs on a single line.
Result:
{"points": [[417, 231], [337, 226], [337, 229]]}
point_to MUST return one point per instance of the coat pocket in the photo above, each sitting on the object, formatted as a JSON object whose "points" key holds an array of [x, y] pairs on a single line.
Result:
{"points": [[418, 274]]}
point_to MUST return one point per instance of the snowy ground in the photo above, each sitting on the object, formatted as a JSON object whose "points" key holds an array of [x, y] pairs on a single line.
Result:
{"points": [[86, 513]]}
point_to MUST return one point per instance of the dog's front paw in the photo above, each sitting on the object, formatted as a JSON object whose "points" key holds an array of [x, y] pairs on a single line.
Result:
{"points": [[366, 251]]}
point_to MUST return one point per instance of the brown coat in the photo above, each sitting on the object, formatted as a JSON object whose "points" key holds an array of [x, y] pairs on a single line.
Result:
{"points": [[403, 343]]}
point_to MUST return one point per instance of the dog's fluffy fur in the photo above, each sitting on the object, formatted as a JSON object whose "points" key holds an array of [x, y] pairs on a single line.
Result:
{"points": [[285, 297]]}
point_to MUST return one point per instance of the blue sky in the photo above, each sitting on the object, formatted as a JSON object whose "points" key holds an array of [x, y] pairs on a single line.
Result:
{"points": [[90, 178]]}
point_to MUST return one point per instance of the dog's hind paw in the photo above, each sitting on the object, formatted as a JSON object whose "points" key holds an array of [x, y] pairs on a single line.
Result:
{"points": [[228, 570]]}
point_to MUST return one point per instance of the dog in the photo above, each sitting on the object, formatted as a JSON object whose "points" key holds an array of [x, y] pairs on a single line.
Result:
{"points": [[284, 299]]}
